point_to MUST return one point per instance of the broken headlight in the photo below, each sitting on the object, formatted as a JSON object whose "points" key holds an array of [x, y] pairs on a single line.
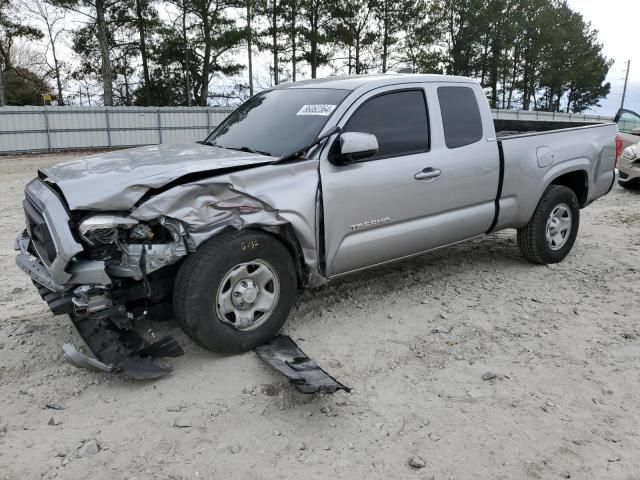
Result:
{"points": [[103, 229]]}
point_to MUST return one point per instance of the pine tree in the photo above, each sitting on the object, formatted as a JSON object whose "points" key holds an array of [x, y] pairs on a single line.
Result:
{"points": [[317, 19], [11, 28]]}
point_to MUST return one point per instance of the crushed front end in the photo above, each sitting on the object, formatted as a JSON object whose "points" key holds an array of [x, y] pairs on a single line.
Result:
{"points": [[111, 273]]}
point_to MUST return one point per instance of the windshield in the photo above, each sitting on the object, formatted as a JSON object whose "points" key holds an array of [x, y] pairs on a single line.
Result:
{"points": [[278, 122]]}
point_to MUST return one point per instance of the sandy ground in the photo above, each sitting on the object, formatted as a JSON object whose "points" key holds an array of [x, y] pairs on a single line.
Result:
{"points": [[414, 340]]}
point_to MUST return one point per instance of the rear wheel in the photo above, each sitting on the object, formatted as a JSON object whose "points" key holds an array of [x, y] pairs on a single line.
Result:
{"points": [[236, 291], [552, 230]]}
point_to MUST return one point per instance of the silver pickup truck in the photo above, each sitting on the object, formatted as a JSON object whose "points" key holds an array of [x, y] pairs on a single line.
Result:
{"points": [[303, 183]]}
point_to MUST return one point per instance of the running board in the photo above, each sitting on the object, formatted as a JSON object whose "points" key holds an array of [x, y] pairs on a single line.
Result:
{"points": [[282, 353]]}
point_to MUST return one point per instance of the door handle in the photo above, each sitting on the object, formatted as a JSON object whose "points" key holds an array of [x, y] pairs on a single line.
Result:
{"points": [[428, 173]]}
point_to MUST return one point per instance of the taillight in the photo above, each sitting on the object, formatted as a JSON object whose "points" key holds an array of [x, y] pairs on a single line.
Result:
{"points": [[619, 148]]}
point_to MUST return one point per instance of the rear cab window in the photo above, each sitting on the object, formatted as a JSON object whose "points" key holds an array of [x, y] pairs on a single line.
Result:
{"points": [[461, 118], [399, 121]]}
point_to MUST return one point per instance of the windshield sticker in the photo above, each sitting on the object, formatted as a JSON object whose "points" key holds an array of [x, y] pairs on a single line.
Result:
{"points": [[320, 110]]}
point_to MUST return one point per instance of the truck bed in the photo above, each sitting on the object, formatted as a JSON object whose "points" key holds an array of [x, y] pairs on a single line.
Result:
{"points": [[507, 128], [531, 159]]}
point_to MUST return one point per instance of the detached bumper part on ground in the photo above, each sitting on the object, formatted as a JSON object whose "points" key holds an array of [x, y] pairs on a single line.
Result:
{"points": [[120, 351], [282, 353]]}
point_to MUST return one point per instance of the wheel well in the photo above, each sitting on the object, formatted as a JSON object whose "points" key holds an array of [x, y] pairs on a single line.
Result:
{"points": [[288, 237], [577, 181]]}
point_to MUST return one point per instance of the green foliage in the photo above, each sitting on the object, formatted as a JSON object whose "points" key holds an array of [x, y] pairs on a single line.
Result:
{"points": [[211, 34], [17, 83], [530, 54], [12, 28], [272, 36], [354, 31], [121, 46], [573, 68], [24, 87], [526, 53]]}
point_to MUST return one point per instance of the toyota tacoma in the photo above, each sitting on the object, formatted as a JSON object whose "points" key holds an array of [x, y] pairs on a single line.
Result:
{"points": [[303, 183]]}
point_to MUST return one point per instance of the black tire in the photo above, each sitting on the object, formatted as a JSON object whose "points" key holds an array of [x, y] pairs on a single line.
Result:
{"points": [[196, 288], [629, 185], [532, 239]]}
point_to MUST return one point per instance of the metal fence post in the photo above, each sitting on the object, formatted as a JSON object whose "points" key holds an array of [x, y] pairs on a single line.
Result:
{"points": [[106, 116], [208, 121], [46, 124], [159, 126]]}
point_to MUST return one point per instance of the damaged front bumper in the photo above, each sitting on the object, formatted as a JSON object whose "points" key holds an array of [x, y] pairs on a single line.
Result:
{"points": [[120, 351], [106, 327], [77, 279], [118, 344]]}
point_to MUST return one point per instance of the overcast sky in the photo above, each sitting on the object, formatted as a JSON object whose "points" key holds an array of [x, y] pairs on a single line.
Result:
{"points": [[618, 22]]}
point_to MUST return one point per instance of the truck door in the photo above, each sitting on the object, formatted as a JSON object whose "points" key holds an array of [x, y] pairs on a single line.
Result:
{"points": [[400, 202], [466, 143], [384, 207]]}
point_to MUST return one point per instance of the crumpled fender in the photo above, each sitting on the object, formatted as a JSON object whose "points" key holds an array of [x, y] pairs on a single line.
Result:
{"points": [[283, 199], [207, 208]]}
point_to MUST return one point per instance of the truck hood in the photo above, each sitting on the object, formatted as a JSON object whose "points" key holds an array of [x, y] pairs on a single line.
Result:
{"points": [[118, 180]]}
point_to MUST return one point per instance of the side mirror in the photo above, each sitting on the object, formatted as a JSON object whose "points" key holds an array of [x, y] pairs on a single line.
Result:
{"points": [[356, 146]]}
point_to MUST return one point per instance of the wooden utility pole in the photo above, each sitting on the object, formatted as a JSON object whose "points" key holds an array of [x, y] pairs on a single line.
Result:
{"points": [[250, 46], [103, 41], [3, 100], [274, 34], [187, 74], [626, 80]]}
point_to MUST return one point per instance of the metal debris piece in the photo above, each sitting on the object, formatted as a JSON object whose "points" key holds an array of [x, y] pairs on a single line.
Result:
{"points": [[165, 347], [120, 351], [80, 360], [282, 353]]}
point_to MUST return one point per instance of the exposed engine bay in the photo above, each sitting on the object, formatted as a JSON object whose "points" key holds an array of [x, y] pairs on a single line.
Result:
{"points": [[131, 249]]}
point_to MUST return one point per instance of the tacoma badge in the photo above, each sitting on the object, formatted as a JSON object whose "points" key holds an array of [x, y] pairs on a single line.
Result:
{"points": [[369, 223]]}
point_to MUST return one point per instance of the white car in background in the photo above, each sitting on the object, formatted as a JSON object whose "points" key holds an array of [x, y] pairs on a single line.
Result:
{"points": [[629, 163]]}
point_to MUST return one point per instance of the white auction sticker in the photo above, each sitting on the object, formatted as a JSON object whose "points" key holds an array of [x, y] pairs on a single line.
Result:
{"points": [[321, 110]]}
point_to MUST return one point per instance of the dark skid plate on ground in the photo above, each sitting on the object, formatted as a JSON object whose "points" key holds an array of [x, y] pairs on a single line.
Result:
{"points": [[282, 353], [120, 351]]}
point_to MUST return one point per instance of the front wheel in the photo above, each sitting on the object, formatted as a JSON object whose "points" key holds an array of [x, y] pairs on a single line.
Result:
{"points": [[552, 230], [236, 291]]}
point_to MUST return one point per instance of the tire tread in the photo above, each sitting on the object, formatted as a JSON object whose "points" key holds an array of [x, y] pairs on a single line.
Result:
{"points": [[527, 236]]}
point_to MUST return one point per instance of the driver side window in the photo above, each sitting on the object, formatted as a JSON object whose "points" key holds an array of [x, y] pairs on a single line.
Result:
{"points": [[399, 121]]}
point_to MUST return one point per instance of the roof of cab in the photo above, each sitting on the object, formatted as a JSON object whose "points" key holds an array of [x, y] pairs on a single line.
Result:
{"points": [[376, 80]]}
